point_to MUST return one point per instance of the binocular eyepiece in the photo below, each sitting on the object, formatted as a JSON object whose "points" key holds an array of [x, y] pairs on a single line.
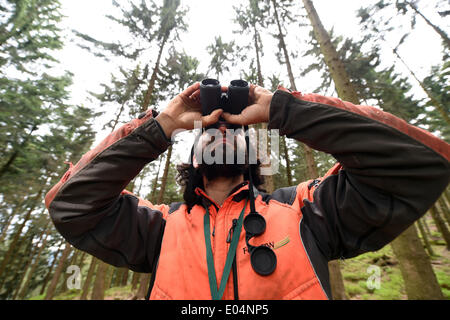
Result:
{"points": [[233, 101]]}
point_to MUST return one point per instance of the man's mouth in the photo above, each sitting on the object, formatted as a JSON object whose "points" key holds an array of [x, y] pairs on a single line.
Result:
{"points": [[216, 143]]}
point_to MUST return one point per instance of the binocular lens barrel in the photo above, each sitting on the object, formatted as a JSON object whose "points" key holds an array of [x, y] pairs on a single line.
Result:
{"points": [[234, 101], [238, 96], [210, 93]]}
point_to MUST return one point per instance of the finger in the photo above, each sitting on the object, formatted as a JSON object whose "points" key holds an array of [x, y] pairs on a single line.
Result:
{"points": [[211, 118], [251, 93], [234, 118], [195, 95], [191, 89]]}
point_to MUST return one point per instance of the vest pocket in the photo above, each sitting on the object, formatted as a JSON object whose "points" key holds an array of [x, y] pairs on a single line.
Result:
{"points": [[310, 290], [158, 294]]}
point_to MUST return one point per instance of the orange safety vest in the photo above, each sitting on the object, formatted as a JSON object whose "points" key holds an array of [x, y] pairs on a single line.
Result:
{"points": [[182, 269]]}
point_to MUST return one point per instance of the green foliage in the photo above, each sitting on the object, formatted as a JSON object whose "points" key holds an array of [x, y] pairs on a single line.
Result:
{"points": [[149, 25], [438, 83], [39, 131], [390, 91], [222, 56], [28, 33], [282, 14], [179, 71]]}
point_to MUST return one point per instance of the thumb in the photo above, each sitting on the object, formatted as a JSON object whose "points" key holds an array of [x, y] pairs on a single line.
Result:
{"points": [[211, 118], [234, 118]]}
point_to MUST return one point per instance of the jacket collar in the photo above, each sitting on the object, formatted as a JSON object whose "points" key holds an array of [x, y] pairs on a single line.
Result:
{"points": [[238, 193]]}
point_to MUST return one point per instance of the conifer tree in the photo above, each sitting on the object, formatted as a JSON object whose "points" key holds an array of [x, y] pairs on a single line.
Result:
{"points": [[391, 92], [251, 19], [378, 28]]}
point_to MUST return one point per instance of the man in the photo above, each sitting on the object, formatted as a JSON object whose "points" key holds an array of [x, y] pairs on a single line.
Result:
{"points": [[389, 173]]}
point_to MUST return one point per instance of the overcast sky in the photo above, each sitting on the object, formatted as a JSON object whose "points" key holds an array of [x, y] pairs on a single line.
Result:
{"points": [[211, 18]]}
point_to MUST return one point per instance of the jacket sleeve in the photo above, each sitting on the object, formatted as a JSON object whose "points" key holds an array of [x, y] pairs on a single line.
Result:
{"points": [[389, 172], [92, 212]]}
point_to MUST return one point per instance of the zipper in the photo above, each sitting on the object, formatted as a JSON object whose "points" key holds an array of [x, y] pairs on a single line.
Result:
{"points": [[234, 266], [230, 233]]}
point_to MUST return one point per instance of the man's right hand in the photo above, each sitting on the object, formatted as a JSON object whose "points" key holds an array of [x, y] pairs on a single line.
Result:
{"points": [[257, 111], [183, 110]]}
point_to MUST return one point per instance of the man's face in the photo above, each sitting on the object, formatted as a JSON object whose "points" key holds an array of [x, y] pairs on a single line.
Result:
{"points": [[221, 150]]}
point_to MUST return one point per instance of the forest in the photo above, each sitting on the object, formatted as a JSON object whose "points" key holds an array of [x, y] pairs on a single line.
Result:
{"points": [[43, 132]]}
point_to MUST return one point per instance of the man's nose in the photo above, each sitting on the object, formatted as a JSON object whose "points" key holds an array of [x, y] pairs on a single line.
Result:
{"points": [[223, 128]]}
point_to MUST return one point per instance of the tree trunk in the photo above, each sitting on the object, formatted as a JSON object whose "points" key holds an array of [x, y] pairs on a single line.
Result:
{"points": [[440, 224], [144, 283], [336, 67], [6, 226], [116, 121], [124, 278], [23, 292], [16, 209], [50, 270], [152, 195], [258, 60], [288, 162], [445, 209], [16, 153], [268, 179], [418, 275], [425, 238], [25, 259], [445, 200], [165, 175], [151, 85], [81, 260], [283, 47], [98, 292], [443, 35], [87, 282], [109, 273], [51, 289], [135, 280], [14, 241], [425, 224], [30, 258], [336, 280], [310, 162], [119, 276]]}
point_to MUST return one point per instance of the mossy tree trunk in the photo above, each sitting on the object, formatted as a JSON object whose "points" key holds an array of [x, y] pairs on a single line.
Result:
{"points": [[87, 281], [425, 238], [418, 275], [98, 291], [440, 224], [52, 287]]}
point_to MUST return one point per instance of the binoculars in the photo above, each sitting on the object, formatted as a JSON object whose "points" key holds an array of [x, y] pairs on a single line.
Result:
{"points": [[233, 101]]}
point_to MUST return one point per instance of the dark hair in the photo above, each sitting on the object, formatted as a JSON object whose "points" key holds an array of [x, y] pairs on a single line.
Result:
{"points": [[190, 178]]}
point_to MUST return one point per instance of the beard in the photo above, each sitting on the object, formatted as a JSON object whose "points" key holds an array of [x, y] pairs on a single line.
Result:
{"points": [[213, 171], [228, 169]]}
